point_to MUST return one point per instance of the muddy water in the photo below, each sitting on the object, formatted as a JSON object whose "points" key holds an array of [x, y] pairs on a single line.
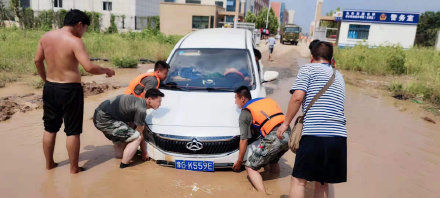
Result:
{"points": [[391, 153]]}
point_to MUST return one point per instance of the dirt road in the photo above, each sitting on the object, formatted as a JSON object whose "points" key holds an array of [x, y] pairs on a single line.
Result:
{"points": [[391, 153]]}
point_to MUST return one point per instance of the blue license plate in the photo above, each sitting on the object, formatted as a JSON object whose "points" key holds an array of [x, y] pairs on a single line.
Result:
{"points": [[195, 165]]}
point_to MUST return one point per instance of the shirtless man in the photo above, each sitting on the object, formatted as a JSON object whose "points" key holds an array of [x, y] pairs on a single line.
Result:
{"points": [[63, 97]]}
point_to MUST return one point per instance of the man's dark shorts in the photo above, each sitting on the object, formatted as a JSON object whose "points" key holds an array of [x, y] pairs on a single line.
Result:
{"points": [[270, 150], [114, 130], [271, 50], [63, 101]]}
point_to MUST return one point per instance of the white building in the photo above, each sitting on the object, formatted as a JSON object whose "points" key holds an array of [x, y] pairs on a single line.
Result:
{"points": [[291, 19], [135, 11], [377, 28]]}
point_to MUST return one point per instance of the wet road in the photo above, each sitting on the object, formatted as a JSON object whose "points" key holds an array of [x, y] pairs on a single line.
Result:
{"points": [[391, 153]]}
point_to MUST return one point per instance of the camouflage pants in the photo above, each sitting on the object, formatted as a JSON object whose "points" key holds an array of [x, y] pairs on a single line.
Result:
{"points": [[270, 150], [114, 130]]}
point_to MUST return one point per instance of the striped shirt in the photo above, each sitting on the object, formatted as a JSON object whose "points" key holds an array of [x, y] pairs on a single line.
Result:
{"points": [[326, 117]]}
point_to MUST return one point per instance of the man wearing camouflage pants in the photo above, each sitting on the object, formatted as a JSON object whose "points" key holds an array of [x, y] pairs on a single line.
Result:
{"points": [[265, 115], [115, 116]]}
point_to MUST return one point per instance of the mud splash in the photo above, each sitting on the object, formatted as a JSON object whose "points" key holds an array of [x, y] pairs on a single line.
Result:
{"points": [[10, 105], [93, 88]]}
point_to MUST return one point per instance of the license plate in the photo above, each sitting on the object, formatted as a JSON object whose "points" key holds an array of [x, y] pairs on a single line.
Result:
{"points": [[195, 165]]}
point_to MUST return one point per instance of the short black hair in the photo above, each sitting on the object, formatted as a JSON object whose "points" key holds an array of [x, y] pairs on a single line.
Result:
{"points": [[321, 50], [257, 54], [244, 91], [161, 65], [75, 16], [153, 93]]}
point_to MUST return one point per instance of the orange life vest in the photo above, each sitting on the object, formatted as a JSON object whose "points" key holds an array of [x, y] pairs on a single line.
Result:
{"points": [[137, 82], [266, 114]]}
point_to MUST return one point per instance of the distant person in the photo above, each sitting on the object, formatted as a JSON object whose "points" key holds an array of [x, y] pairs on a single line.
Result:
{"points": [[257, 54], [322, 153], [264, 115], [63, 97], [144, 82], [114, 116], [271, 41]]}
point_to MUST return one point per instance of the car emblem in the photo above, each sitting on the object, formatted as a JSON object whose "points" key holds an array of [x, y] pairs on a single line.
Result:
{"points": [[194, 145]]}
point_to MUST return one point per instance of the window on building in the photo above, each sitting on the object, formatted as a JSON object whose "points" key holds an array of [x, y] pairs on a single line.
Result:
{"points": [[172, 1], [230, 5], [212, 22], [358, 31], [193, 1], [219, 3], [200, 22], [106, 5], [57, 3]]}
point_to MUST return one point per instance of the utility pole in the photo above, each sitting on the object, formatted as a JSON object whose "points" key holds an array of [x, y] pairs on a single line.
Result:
{"points": [[267, 16], [237, 4]]}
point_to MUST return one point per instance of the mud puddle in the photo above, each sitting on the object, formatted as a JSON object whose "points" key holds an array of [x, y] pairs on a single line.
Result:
{"points": [[391, 153], [9, 105]]}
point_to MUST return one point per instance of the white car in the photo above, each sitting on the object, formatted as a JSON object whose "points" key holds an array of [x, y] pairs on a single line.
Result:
{"points": [[197, 124]]}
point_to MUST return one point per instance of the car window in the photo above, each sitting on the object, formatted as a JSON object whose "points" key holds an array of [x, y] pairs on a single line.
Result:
{"points": [[210, 69], [292, 29]]}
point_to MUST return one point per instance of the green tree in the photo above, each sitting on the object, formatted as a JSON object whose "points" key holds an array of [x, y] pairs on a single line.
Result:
{"points": [[330, 24], [261, 20], [17, 10], [112, 28], [250, 17], [5, 14], [427, 28], [28, 18]]}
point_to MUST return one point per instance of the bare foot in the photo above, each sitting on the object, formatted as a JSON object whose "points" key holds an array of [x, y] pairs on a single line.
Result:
{"points": [[51, 165], [77, 170]]}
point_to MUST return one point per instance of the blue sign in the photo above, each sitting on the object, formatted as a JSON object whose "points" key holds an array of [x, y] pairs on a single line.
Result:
{"points": [[381, 17]]}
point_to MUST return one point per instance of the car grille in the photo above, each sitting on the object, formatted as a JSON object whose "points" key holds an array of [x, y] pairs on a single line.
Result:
{"points": [[211, 145]]}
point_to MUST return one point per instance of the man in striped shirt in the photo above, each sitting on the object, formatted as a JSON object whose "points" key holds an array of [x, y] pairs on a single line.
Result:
{"points": [[322, 153]]}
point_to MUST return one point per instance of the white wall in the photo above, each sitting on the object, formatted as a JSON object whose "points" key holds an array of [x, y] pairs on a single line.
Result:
{"points": [[206, 2], [437, 44], [381, 34], [291, 19], [129, 8]]}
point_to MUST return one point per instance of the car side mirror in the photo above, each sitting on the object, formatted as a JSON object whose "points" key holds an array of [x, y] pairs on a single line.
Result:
{"points": [[270, 76]]}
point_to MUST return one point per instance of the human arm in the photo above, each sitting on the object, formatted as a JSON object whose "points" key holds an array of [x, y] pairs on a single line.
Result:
{"points": [[244, 123], [39, 62], [242, 150], [83, 58], [298, 91], [293, 107], [143, 144]]}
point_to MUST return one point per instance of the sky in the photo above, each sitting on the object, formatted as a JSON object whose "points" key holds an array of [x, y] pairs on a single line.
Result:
{"points": [[305, 9]]}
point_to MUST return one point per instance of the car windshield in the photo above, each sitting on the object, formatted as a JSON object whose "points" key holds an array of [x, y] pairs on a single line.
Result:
{"points": [[209, 69], [292, 29]]}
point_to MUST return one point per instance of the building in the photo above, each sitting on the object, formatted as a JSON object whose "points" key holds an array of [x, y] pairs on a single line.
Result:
{"points": [[376, 28], [131, 14], [230, 7], [181, 19], [259, 5], [280, 12], [291, 17]]}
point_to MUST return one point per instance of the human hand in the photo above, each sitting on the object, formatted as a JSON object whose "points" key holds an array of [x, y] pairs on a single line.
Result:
{"points": [[283, 128], [145, 157], [110, 72], [237, 166]]}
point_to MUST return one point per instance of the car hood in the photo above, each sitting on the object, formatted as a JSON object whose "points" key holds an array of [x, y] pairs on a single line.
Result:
{"points": [[191, 113]]}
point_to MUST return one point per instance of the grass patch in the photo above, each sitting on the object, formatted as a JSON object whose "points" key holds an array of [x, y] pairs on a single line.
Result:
{"points": [[17, 47], [6, 78], [420, 65], [125, 62]]}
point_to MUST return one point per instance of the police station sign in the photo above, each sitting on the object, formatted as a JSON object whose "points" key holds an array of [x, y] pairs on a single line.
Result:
{"points": [[380, 17]]}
